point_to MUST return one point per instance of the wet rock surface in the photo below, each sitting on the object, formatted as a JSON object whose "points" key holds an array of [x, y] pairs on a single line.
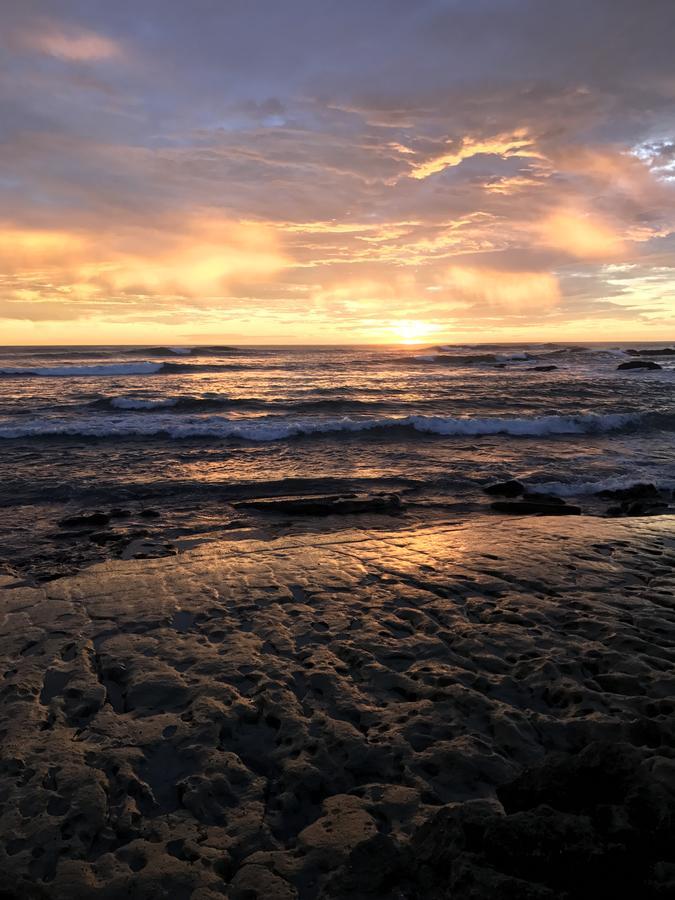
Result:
{"points": [[574, 827], [477, 711], [535, 505], [340, 504]]}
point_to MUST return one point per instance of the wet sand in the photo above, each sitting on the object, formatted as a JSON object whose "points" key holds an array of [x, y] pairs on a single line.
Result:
{"points": [[478, 710]]}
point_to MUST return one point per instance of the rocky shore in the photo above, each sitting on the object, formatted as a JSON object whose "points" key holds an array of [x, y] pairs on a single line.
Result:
{"points": [[477, 711], [41, 543]]}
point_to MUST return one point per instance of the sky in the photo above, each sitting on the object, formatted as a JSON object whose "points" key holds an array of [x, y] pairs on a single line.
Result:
{"points": [[336, 171]]}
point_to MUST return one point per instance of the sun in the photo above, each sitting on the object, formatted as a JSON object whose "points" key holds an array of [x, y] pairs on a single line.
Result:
{"points": [[412, 331]]}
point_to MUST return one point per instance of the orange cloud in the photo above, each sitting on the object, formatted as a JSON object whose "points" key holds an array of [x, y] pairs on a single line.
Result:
{"points": [[581, 235], [511, 291], [75, 45], [26, 246], [508, 186], [519, 143], [199, 260]]}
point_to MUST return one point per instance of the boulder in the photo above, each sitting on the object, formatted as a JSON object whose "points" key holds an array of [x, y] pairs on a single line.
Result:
{"points": [[639, 364], [548, 499], [510, 488], [641, 499], [641, 491], [541, 369], [85, 520]]}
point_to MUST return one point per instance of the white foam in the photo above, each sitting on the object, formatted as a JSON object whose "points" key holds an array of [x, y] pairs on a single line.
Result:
{"points": [[513, 357], [273, 429], [141, 368], [617, 483], [142, 403]]}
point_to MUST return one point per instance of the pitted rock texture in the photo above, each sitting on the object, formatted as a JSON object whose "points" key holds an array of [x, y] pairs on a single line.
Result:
{"points": [[311, 717]]}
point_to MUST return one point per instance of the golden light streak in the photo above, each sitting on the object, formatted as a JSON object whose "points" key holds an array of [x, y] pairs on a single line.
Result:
{"points": [[519, 143]]}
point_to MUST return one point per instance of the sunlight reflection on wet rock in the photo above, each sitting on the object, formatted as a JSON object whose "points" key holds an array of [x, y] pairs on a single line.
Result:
{"points": [[252, 713]]}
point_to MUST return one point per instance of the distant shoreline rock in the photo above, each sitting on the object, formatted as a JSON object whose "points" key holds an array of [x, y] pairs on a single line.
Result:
{"points": [[638, 364]]}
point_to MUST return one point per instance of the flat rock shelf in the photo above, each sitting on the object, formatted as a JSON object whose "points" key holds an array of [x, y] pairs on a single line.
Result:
{"points": [[360, 714]]}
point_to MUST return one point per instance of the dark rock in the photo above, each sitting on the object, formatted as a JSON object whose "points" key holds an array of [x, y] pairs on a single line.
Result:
{"points": [[639, 364], [577, 826], [535, 508], [511, 488], [642, 499], [641, 491], [149, 514], [548, 499], [345, 504], [118, 513], [542, 369], [639, 508], [85, 520], [105, 537], [373, 866], [651, 351]]}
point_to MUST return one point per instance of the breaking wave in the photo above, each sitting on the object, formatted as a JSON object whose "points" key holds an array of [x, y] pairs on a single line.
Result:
{"points": [[139, 368], [588, 488], [277, 428]]}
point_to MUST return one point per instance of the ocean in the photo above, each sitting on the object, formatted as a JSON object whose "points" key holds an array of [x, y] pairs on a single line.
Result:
{"points": [[186, 431]]}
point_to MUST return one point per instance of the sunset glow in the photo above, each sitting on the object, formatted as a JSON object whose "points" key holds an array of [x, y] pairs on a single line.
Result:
{"points": [[414, 332], [337, 449], [159, 180]]}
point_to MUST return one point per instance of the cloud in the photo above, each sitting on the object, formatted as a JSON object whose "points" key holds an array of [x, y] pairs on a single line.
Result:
{"points": [[503, 145], [581, 235], [320, 170], [72, 44], [515, 292], [198, 257]]}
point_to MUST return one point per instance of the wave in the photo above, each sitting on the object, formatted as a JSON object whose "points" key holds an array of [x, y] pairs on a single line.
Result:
{"points": [[137, 403], [144, 368], [454, 359], [181, 403], [183, 351], [615, 483], [448, 355], [180, 368], [186, 403], [140, 368], [276, 428]]}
